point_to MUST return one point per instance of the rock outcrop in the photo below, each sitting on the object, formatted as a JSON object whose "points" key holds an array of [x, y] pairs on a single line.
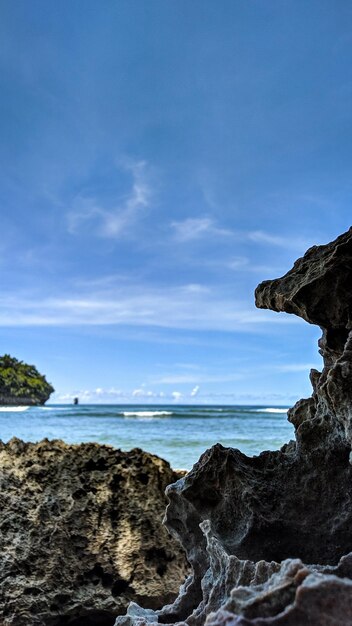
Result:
{"points": [[81, 534], [269, 538], [22, 384]]}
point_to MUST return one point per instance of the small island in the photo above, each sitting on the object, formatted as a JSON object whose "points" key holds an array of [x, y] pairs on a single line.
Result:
{"points": [[22, 384]]}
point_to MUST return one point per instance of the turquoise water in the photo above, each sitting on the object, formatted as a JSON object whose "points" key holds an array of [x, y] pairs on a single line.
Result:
{"points": [[179, 434]]}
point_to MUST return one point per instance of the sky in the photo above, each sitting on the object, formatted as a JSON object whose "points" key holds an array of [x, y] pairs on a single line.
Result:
{"points": [[159, 159]]}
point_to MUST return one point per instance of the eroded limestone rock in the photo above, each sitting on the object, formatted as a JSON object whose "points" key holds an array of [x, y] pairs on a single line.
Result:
{"points": [[81, 533], [266, 535]]}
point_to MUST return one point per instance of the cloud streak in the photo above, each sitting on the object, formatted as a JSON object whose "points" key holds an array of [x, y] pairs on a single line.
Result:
{"points": [[138, 396], [292, 243], [179, 379], [195, 391], [113, 223], [194, 228], [183, 307]]}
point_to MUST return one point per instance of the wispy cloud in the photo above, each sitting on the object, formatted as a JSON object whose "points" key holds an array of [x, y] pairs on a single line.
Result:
{"points": [[290, 242], [90, 395], [296, 367], [182, 307], [191, 229], [113, 222], [139, 395], [191, 379], [241, 373], [244, 264], [147, 393], [196, 228], [237, 263], [245, 398]]}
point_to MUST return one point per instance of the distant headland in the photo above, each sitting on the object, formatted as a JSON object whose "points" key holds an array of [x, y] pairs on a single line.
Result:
{"points": [[22, 384]]}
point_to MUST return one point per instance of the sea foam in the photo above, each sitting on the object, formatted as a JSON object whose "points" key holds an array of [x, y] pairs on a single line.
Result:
{"points": [[271, 410], [13, 409], [146, 413]]}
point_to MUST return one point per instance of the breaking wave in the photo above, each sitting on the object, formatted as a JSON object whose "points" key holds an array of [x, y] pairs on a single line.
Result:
{"points": [[272, 410], [146, 413]]}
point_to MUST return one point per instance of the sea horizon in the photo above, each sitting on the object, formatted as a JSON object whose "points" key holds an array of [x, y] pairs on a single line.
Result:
{"points": [[177, 433]]}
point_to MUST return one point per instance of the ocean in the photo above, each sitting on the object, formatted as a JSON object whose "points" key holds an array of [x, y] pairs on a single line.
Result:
{"points": [[178, 434]]}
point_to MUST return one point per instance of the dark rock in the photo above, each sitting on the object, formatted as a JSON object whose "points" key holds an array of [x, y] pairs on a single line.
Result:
{"points": [[81, 533], [249, 525], [318, 287]]}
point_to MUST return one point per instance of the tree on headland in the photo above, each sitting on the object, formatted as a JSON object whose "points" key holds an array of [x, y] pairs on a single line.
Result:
{"points": [[21, 383]]}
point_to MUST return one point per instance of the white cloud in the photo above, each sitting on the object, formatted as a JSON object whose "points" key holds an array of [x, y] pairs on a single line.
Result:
{"points": [[237, 262], [249, 398], [112, 223], [145, 393], [195, 288], [296, 367], [90, 395], [181, 379], [196, 228], [292, 243], [191, 229], [241, 373], [183, 307], [142, 395], [187, 366], [105, 396]]}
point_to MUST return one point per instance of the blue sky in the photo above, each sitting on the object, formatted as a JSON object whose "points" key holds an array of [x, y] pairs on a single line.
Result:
{"points": [[160, 158]]}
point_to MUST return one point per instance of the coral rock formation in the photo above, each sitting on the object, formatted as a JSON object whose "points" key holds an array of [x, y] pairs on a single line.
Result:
{"points": [[266, 536], [81, 533]]}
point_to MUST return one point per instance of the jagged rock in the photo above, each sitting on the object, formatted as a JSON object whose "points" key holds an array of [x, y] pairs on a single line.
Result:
{"points": [[265, 535], [318, 287], [81, 533]]}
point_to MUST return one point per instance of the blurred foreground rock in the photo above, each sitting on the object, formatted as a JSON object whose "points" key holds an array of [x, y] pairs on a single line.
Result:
{"points": [[266, 536], [81, 534]]}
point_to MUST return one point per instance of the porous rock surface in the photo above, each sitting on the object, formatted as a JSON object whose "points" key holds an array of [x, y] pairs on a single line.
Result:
{"points": [[81, 533], [269, 538]]}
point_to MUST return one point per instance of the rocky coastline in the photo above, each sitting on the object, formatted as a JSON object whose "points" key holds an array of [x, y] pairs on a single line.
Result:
{"points": [[24, 401], [269, 538]]}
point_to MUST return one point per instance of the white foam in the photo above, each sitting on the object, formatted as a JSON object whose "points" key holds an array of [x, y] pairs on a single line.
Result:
{"points": [[272, 410], [13, 409], [146, 413]]}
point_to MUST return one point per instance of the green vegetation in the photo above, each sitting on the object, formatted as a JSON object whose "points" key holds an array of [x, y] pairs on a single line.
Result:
{"points": [[21, 383]]}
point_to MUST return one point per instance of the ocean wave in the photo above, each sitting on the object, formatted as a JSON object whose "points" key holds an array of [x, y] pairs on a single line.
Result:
{"points": [[146, 413], [13, 409], [271, 410]]}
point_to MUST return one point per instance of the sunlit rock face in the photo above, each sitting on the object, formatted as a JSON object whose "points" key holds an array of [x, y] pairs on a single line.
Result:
{"points": [[266, 536], [81, 533]]}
